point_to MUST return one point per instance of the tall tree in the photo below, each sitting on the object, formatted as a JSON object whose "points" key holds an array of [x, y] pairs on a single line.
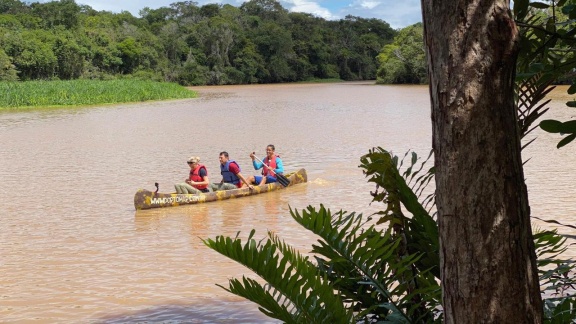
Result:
{"points": [[58, 13], [12, 6], [7, 69], [488, 268], [267, 10], [404, 61]]}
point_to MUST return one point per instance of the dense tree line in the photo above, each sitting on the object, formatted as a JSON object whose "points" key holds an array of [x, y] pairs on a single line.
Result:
{"points": [[404, 60], [258, 42]]}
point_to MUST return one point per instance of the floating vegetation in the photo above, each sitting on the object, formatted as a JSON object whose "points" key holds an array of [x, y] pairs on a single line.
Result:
{"points": [[32, 94]]}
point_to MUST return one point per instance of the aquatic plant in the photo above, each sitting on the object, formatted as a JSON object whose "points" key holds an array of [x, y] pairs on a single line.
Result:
{"points": [[32, 94]]}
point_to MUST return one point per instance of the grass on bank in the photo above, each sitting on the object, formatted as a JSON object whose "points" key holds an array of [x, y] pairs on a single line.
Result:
{"points": [[37, 94]]}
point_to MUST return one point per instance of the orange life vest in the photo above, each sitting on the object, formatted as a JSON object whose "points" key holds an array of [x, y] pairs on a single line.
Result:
{"points": [[195, 176], [271, 164]]}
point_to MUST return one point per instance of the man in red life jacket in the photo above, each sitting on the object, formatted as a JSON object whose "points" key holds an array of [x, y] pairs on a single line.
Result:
{"points": [[231, 176], [272, 161], [197, 182]]}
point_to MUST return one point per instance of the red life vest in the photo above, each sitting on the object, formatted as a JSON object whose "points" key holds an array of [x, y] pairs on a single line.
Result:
{"points": [[271, 164], [195, 176]]}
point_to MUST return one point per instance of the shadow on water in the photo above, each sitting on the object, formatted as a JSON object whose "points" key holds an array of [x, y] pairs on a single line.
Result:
{"points": [[211, 311]]}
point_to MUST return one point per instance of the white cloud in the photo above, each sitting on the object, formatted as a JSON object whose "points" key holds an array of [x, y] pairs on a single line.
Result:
{"points": [[398, 14], [369, 4], [309, 7]]}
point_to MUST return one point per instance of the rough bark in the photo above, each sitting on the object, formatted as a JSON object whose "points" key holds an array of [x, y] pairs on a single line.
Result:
{"points": [[488, 263]]}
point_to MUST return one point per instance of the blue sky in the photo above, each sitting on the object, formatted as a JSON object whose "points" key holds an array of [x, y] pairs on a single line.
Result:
{"points": [[397, 13]]}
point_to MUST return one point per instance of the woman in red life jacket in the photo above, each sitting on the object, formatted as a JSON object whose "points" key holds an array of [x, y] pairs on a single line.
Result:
{"points": [[197, 182], [272, 161]]}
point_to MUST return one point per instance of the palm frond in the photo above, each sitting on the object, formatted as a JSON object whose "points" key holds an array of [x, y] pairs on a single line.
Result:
{"points": [[556, 276], [295, 284], [270, 304], [365, 267], [529, 93], [421, 230], [559, 310]]}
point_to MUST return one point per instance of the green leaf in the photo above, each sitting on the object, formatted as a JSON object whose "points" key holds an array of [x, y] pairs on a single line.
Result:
{"points": [[566, 140], [569, 9], [521, 9], [572, 89], [539, 5], [571, 104], [537, 67], [551, 126], [293, 281], [568, 127]]}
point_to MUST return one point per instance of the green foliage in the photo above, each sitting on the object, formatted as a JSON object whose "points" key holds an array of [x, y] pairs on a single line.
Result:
{"points": [[404, 191], [559, 311], [547, 53], [370, 268], [31, 53], [7, 69], [71, 56], [86, 92], [404, 61], [274, 44], [268, 10], [295, 293], [63, 13], [309, 46], [564, 128], [12, 7], [259, 42], [355, 41], [10, 22], [374, 273], [250, 63], [557, 279], [130, 52]]}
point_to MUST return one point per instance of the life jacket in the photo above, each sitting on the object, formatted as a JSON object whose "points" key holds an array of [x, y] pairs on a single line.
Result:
{"points": [[195, 176], [227, 175], [271, 164]]}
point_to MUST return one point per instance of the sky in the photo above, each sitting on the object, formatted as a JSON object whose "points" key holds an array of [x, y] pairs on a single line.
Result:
{"points": [[397, 13]]}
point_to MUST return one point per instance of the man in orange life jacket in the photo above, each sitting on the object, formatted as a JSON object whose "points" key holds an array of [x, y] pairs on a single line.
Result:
{"points": [[231, 176], [197, 181], [272, 161]]}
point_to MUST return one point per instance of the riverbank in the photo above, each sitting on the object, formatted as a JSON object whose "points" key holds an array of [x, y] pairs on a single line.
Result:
{"points": [[74, 93]]}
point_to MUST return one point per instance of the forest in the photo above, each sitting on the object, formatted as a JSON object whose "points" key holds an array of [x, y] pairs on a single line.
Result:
{"points": [[257, 42]]}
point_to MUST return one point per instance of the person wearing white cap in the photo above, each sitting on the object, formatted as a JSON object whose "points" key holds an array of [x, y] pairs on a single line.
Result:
{"points": [[197, 181]]}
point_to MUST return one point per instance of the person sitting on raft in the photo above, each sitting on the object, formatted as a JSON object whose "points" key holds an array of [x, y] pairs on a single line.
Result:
{"points": [[197, 182], [231, 176], [272, 161]]}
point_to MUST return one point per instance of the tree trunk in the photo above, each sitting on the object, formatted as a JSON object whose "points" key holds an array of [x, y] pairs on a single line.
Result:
{"points": [[488, 263]]}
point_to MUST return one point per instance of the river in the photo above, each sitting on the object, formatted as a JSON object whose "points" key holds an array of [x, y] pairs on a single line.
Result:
{"points": [[73, 249]]}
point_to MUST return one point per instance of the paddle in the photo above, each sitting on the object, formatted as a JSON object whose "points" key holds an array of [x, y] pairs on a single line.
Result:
{"points": [[279, 177]]}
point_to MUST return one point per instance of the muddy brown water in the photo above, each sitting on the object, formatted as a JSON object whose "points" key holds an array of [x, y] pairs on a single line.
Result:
{"points": [[73, 249]]}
